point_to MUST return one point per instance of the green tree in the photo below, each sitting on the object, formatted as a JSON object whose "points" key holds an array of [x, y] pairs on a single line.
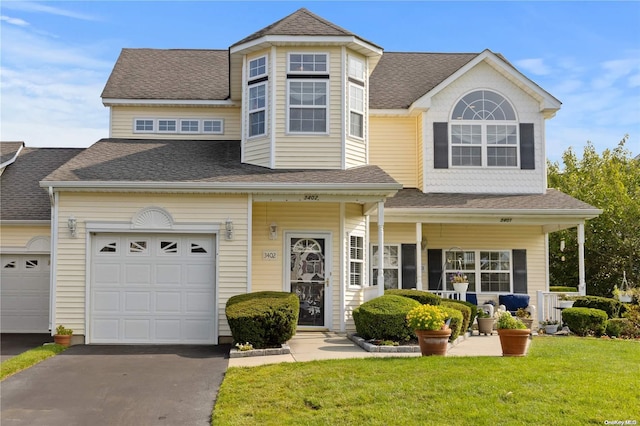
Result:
{"points": [[610, 182]]}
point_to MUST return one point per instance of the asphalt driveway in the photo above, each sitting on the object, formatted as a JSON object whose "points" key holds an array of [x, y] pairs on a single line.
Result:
{"points": [[117, 385]]}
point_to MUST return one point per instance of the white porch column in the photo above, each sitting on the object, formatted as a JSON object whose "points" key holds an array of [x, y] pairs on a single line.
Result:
{"points": [[380, 248], [419, 256], [582, 285]]}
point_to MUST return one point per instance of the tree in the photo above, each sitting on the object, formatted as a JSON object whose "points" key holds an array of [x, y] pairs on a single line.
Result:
{"points": [[610, 182]]}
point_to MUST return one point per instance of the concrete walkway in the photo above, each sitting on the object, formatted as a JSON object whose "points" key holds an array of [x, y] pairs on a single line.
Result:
{"points": [[310, 346]]}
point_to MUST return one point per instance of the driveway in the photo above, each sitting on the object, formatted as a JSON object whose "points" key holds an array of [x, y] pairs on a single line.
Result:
{"points": [[117, 385]]}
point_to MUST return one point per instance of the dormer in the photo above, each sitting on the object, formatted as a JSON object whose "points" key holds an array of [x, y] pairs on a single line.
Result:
{"points": [[303, 84]]}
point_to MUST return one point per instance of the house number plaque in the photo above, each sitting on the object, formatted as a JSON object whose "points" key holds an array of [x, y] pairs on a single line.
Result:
{"points": [[269, 255]]}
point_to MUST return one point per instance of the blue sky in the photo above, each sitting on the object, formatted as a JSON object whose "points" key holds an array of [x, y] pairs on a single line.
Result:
{"points": [[56, 56]]}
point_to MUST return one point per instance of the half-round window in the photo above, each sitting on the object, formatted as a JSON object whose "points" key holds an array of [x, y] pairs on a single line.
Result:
{"points": [[483, 105]]}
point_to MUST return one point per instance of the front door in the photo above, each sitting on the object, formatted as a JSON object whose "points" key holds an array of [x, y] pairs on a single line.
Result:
{"points": [[308, 276]]}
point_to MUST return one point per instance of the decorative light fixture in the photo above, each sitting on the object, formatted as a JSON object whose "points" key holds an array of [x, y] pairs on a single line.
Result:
{"points": [[228, 226], [73, 225], [273, 231]]}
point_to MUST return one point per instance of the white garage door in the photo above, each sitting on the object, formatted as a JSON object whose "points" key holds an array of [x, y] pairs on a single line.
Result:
{"points": [[24, 282], [152, 288]]}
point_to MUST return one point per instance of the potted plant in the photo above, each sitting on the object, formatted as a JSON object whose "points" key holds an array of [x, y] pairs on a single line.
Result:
{"points": [[550, 326], [460, 282], [429, 323], [485, 322], [625, 295], [514, 335], [565, 301], [525, 317], [63, 335]]}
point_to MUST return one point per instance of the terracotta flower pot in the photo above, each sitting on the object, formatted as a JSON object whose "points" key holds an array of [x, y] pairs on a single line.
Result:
{"points": [[62, 339], [485, 326], [433, 342], [514, 342]]}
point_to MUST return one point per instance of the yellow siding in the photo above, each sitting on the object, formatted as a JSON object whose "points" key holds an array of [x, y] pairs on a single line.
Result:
{"points": [[122, 121], [309, 151], [19, 235], [257, 150], [393, 147], [354, 296], [473, 237], [121, 207], [395, 233], [293, 217]]}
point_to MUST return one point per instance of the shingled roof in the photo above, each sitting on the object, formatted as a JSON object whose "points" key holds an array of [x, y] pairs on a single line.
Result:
{"points": [[551, 200], [8, 150], [21, 197], [301, 23], [163, 161]]}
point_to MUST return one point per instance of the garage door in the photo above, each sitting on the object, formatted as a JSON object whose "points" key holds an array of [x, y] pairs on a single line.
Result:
{"points": [[152, 289], [24, 282]]}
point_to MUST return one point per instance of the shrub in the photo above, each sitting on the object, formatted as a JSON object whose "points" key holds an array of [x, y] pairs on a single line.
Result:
{"points": [[264, 319], [585, 321], [562, 289], [619, 327], [610, 306], [508, 321], [474, 311], [385, 318], [456, 321], [464, 310], [633, 315], [424, 297]]}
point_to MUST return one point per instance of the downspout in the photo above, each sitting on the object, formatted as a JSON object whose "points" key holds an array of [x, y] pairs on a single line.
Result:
{"points": [[53, 255], [380, 248]]}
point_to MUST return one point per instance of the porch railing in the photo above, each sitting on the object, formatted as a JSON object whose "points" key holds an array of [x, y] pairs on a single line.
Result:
{"points": [[547, 304]]}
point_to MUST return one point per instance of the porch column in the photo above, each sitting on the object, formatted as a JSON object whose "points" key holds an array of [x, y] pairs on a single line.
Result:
{"points": [[380, 248], [582, 285], [419, 256]]}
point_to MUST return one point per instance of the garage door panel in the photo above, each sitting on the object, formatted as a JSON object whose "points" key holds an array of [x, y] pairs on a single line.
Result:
{"points": [[164, 294]]}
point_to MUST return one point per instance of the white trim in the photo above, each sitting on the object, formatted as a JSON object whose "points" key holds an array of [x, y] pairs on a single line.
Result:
{"points": [[344, 275], [53, 258], [167, 102], [419, 251], [547, 278], [453, 215], [190, 120], [258, 110], [477, 271], [306, 40], [206, 132], [327, 56], [168, 120], [326, 107], [176, 228], [266, 66], [135, 125], [272, 142], [244, 114], [40, 244], [249, 242], [343, 108], [24, 222], [390, 112]]}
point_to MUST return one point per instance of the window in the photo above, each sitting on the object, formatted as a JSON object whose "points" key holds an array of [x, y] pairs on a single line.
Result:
{"points": [[391, 265], [356, 260], [167, 125], [356, 111], [212, 126], [491, 269], [484, 131], [308, 63], [257, 109], [190, 126], [257, 67], [307, 106], [356, 68], [143, 125]]}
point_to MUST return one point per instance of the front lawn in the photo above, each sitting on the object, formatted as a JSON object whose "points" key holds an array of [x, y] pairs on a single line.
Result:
{"points": [[562, 381], [28, 359]]}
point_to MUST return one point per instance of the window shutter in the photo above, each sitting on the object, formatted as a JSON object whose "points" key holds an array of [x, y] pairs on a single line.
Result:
{"points": [[527, 147], [441, 145], [519, 271], [434, 259], [409, 276]]}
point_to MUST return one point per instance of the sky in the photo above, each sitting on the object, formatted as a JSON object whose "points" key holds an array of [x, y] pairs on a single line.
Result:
{"points": [[56, 56]]}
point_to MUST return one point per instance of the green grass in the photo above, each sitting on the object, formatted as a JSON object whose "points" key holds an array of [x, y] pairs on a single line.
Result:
{"points": [[28, 359], [562, 381]]}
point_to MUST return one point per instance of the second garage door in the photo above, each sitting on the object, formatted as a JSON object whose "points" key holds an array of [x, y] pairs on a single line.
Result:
{"points": [[151, 288]]}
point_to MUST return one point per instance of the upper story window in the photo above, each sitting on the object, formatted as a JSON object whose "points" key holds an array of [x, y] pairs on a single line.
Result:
{"points": [[167, 125], [189, 125], [307, 93], [143, 125], [356, 68], [257, 67], [257, 109], [212, 126], [484, 131], [356, 110]]}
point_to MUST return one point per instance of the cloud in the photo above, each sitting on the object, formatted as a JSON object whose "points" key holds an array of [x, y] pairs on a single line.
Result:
{"points": [[14, 21], [28, 6], [534, 66]]}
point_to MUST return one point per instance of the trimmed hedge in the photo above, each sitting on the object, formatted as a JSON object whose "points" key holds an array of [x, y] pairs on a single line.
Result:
{"points": [[474, 311], [424, 297], [464, 310], [562, 289], [266, 319], [610, 306], [456, 321], [585, 321], [385, 318]]}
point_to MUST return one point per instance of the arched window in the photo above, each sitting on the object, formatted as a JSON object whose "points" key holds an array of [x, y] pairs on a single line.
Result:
{"points": [[484, 131]]}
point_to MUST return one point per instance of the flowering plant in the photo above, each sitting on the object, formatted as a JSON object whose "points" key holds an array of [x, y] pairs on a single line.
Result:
{"points": [[426, 317], [244, 346], [459, 277], [505, 320], [549, 322]]}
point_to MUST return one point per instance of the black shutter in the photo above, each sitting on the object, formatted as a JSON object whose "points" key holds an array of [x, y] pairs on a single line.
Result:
{"points": [[519, 271], [409, 273], [441, 145], [434, 259], [527, 147]]}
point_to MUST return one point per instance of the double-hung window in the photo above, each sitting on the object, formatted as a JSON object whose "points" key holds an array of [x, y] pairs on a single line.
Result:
{"points": [[307, 87], [356, 74], [486, 270], [391, 266], [257, 96], [356, 260], [484, 131]]}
